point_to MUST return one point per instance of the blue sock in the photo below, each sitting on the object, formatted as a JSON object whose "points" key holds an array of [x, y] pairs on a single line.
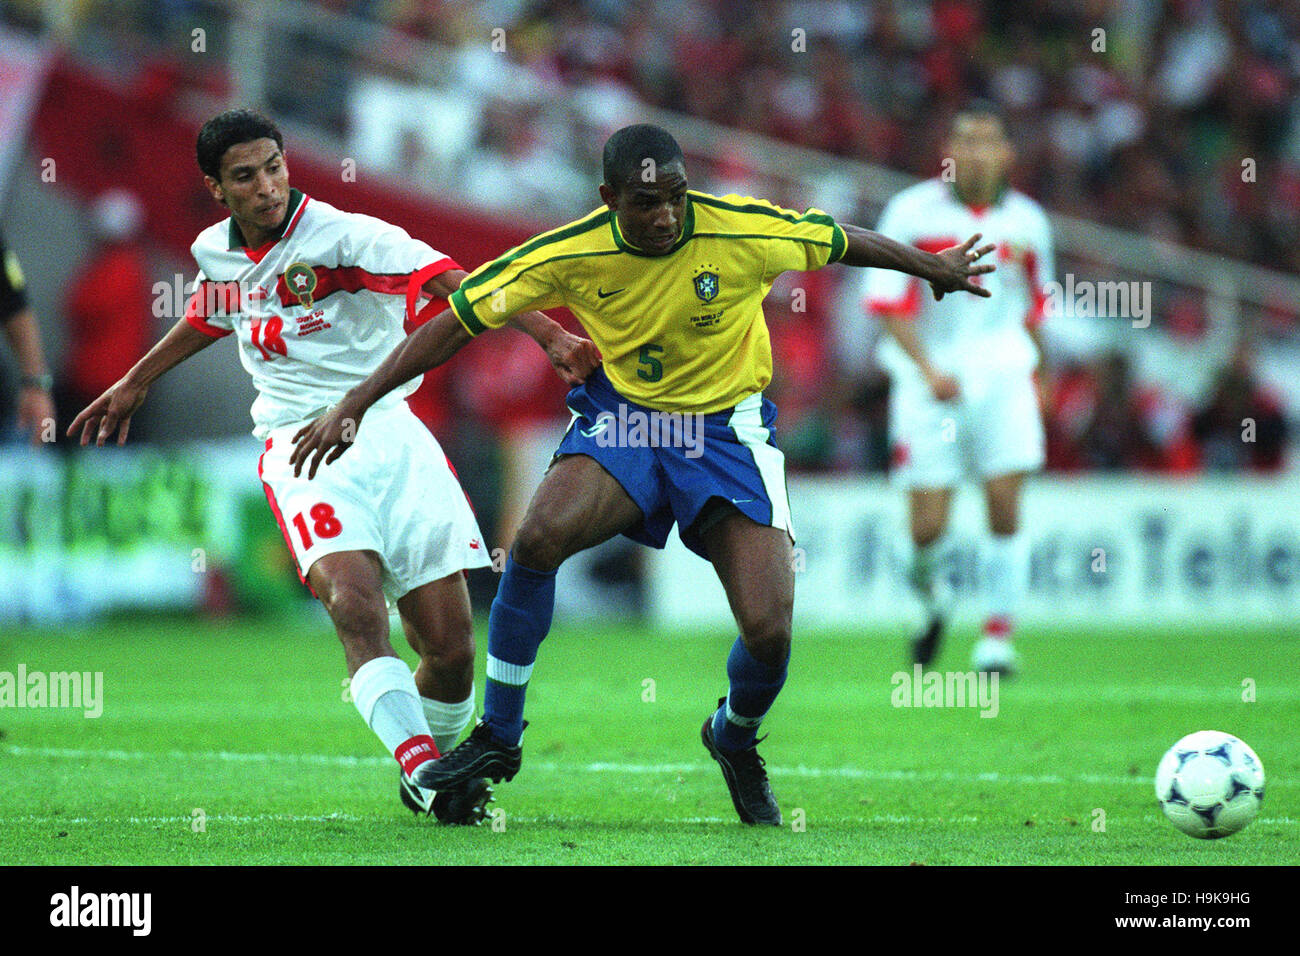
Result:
{"points": [[754, 687], [520, 618]]}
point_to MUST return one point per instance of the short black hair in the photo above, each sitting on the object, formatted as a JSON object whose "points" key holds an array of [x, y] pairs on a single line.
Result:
{"points": [[627, 150], [230, 129]]}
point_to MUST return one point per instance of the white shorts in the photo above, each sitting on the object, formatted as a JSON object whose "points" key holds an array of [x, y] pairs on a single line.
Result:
{"points": [[393, 493], [993, 428]]}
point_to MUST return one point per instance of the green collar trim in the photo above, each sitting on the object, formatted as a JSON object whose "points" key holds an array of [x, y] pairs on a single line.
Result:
{"points": [[295, 200], [688, 229]]}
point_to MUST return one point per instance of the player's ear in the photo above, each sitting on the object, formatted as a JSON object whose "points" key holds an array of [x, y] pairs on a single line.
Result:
{"points": [[214, 188], [608, 196]]}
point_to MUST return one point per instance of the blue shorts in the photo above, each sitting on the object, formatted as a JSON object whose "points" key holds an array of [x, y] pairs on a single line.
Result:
{"points": [[672, 465]]}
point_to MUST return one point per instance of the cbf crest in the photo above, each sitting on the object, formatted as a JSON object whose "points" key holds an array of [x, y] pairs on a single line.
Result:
{"points": [[707, 284], [300, 279]]}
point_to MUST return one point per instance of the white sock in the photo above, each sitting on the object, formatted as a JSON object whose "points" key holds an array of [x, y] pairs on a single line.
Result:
{"points": [[1005, 580], [447, 721], [384, 692], [926, 580]]}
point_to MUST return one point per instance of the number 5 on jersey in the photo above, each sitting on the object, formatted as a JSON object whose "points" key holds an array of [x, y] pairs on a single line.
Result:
{"points": [[268, 339], [324, 523], [654, 368]]}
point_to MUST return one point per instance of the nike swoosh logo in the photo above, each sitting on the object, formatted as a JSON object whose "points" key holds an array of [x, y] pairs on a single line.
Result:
{"points": [[602, 294]]}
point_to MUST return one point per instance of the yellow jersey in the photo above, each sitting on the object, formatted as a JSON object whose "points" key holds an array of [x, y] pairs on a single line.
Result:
{"points": [[680, 332]]}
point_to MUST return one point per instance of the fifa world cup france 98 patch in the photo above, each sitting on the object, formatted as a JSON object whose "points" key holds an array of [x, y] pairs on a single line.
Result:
{"points": [[707, 286]]}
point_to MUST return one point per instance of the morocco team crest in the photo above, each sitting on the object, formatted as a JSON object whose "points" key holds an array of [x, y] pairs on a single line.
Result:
{"points": [[706, 286], [300, 279]]}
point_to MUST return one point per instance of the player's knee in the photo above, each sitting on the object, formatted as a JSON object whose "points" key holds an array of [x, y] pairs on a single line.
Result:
{"points": [[539, 546], [451, 651], [356, 610], [413, 638], [458, 659], [767, 636]]}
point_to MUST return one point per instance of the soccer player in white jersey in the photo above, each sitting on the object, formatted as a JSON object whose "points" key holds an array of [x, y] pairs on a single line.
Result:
{"points": [[316, 298], [964, 401]]}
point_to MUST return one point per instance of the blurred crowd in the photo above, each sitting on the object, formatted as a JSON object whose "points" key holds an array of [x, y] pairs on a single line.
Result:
{"points": [[1179, 118], [1176, 118]]}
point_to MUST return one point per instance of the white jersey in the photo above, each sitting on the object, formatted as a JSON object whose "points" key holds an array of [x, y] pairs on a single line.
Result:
{"points": [[972, 338], [316, 309]]}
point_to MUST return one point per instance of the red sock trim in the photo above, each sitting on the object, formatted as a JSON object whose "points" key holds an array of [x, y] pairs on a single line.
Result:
{"points": [[999, 626], [419, 749]]}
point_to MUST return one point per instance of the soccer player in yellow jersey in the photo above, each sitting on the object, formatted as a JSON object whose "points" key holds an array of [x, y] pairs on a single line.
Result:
{"points": [[669, 284]]}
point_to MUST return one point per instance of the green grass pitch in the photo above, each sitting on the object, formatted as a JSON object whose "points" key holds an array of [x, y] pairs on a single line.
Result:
{"points": [[232, 743]]}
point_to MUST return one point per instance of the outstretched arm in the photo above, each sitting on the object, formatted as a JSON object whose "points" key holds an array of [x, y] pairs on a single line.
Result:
{"points": [[947, 271], [329, 436], [572, 357], [113, 409], [426, 348], [325, 439]]}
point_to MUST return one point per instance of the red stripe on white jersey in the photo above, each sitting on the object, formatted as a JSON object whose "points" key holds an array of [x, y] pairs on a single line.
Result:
{"points": [[1038, 309], [937, 243], [343, 279], [209, 298], [279, 520], [418, 279], [909, 306]]}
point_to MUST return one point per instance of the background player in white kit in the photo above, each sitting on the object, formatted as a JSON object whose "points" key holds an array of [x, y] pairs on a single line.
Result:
{"points": [[963, 401], [316, 298]]}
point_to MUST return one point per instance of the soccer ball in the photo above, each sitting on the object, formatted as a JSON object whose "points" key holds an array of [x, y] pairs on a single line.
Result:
{"points": [[1210, 784]]}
